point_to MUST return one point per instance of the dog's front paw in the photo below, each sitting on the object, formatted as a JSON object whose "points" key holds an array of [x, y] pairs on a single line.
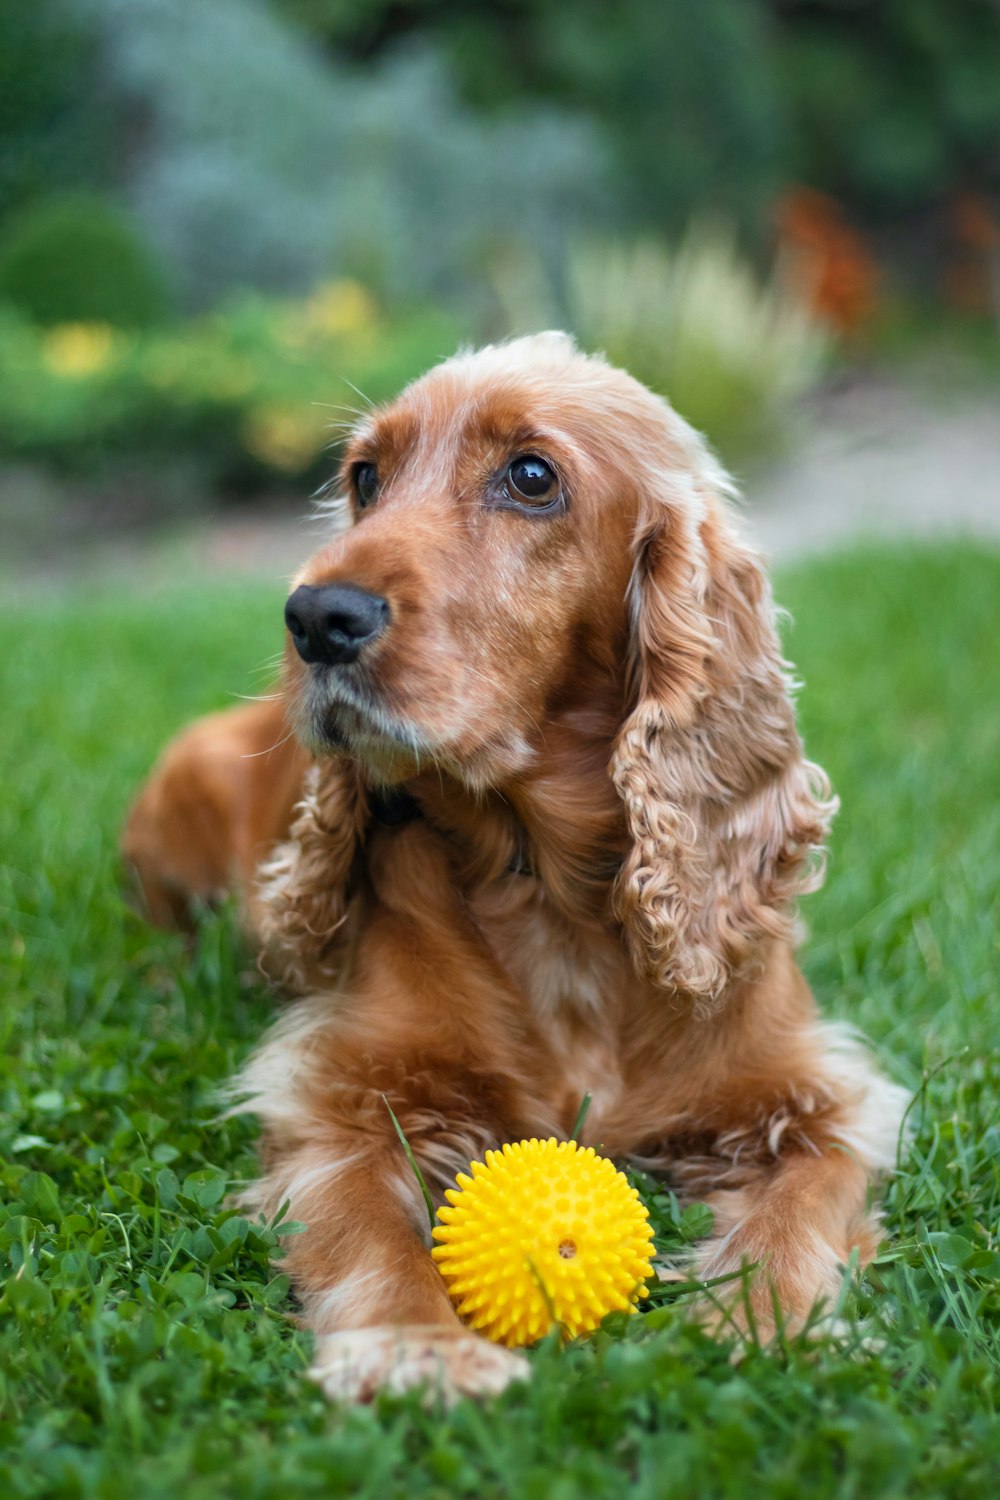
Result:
{"points": [[774, 1289], [357, 1363]]}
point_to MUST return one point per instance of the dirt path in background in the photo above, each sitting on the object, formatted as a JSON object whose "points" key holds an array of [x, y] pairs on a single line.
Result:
{"points": [[873, 460], [882, 461]]}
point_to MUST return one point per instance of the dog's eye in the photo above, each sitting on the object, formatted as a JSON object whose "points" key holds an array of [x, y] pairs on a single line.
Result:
{"points": [[530, 478], [365, 483]]}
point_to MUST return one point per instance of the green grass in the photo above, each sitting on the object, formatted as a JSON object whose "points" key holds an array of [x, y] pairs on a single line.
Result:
{"points": [[145, 1339]]}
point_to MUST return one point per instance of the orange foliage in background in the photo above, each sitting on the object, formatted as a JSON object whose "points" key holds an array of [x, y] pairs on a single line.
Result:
{"points": [[826, 259], [972, 276]]}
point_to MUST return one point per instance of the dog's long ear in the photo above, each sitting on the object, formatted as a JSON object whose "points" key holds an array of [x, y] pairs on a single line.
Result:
{"points": [[301, 904], [726, 817]]}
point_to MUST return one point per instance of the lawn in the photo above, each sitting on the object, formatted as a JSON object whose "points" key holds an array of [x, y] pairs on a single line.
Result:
{"points": [[146, 1345]]}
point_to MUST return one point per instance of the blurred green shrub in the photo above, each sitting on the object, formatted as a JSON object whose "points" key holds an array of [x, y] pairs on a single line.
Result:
{"points": [[75, 258], [255, 394], [242, 398], [730, 352]]}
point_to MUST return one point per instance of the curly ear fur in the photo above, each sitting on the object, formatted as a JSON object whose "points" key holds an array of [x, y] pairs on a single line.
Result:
{"points": [[301, 903], [723, 811]]}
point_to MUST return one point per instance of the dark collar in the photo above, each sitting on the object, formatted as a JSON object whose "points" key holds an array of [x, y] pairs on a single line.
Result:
{"points": [[391, 806]]}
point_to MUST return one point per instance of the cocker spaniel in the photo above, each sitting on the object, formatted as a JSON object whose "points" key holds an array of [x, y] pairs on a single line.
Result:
{"points": [[540, 834]]}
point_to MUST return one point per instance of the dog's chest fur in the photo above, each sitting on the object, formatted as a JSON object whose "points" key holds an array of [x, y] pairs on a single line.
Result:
{"points": [[573, 979]]}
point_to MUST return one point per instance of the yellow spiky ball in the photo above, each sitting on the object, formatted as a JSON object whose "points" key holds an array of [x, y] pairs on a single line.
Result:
{"points": [[543, 1232]]}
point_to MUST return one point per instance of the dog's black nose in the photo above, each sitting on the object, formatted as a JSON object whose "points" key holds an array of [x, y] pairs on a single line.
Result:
{"points": [[331, 623]]}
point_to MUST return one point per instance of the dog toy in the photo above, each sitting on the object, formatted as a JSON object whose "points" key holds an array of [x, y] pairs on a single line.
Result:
{"points": [[545, 1232]]}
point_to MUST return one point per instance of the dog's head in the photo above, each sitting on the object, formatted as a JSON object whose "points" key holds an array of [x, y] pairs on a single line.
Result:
{"points": [[524, 522], [487, 555]]}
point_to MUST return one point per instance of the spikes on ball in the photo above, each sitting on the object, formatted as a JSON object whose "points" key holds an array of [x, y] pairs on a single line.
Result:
{"points": [[544, 1232]]}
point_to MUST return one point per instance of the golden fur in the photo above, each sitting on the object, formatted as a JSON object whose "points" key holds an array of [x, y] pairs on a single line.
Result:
{"points": [[590, 711]]}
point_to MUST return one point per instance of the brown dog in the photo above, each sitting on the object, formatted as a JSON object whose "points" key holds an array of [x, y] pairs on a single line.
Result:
{"points": [[557, 816]]}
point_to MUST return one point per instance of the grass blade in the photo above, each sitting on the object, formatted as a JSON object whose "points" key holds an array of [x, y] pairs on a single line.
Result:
{"points": [[581, 1116], [413, 1163]]}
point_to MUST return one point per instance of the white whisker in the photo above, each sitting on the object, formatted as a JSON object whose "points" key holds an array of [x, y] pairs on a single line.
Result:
{"points": [[366, 399], [253, 754]]}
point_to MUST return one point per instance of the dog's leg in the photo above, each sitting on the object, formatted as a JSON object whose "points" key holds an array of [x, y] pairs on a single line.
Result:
{"points": [[802, 1204], [219, 796], [368, 1286], [797, 1225], [372, 1293], [427, 1022], [362, 1268]]}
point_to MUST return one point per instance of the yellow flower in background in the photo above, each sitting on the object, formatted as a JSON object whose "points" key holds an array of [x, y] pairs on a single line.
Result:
{"points": [[286, 437], [75, 350], [338, 309]]}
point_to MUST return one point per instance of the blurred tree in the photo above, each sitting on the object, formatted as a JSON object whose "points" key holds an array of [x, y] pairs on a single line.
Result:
{"points": [[221, 127], [686, 93], [55, 131], [886, 104], [257, 161], [894, 102]]}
